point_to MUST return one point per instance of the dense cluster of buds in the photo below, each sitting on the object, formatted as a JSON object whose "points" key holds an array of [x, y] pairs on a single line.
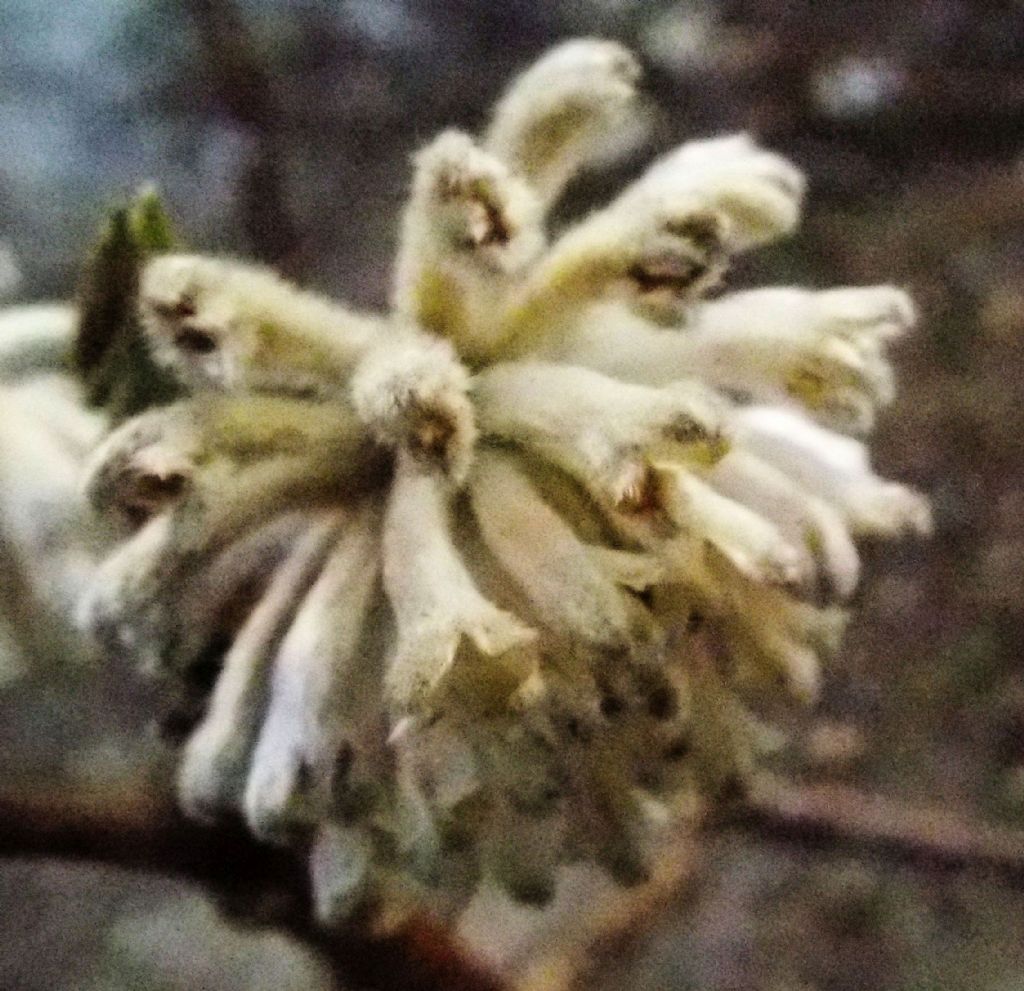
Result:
{"points": [[495, 580]]}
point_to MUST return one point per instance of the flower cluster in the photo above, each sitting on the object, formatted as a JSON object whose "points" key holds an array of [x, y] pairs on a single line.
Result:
{"points": [[492, 581], [46, 554]]}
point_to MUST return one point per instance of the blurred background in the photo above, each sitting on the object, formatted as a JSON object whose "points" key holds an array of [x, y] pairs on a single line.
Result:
{"points": [[281, 130]]}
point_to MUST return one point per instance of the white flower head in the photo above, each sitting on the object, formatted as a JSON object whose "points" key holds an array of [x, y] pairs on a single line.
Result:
{"points": [[502, 575]]}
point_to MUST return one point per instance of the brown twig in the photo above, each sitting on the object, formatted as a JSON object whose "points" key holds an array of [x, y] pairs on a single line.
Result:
{"points": [[252, 883], [835, 817], [828, 817], [612, 931], [267, 886], [244, 88]]}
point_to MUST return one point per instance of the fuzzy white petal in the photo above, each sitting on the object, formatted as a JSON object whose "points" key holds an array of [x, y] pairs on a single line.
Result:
{"points": [[570, 107], [437, 605], [754, 545], [217, 323], [318, 663], [34, 338], [554, 570], [469, 231], [656, 254], [601, 430], [760, 192], [822, 349], [412, 392], [834, 468], [42, 511], [810, 524], [215, 761]]}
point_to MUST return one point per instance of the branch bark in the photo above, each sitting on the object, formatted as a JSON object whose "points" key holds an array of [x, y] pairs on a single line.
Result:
{"points": [[252, 883], [244, 89], [268, 886], [835, 817], [826, 817], [614, 929]]}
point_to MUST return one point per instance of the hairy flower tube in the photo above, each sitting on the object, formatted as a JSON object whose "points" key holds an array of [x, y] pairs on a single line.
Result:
{"points": [[488, 583]]}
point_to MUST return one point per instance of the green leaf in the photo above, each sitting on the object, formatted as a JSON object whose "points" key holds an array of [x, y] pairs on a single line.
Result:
{"points": [[150, 222], [110, 353]]}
